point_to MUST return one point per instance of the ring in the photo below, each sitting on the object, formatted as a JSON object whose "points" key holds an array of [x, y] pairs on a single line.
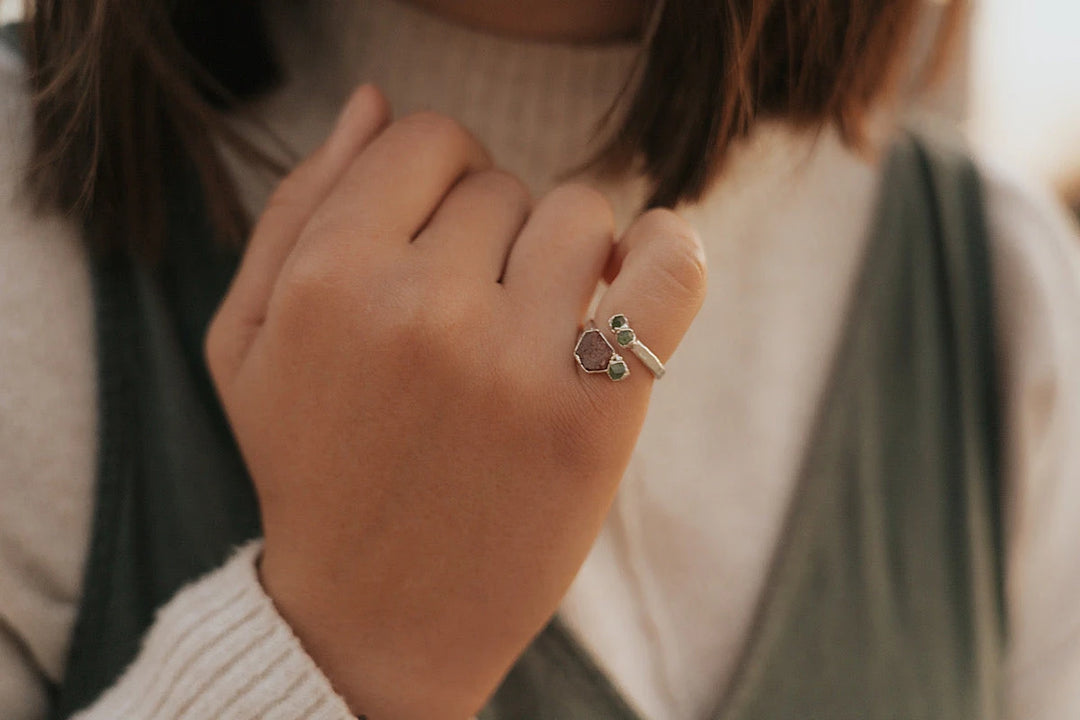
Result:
{"points": [[627, 338], [594, 354]]}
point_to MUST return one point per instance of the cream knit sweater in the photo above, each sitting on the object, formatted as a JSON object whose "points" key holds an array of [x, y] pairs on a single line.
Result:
{"points": [[665, 598]]}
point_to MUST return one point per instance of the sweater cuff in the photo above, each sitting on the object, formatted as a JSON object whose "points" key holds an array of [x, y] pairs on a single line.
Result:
{"points": [[219, 649]]}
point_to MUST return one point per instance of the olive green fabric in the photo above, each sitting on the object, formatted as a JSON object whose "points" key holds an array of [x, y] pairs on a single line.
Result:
{"points": [[172, 497], [885, 596]]}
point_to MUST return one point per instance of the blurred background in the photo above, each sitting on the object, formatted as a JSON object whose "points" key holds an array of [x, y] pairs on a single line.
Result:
{"points": [[1013, 85], [1025, 87]]}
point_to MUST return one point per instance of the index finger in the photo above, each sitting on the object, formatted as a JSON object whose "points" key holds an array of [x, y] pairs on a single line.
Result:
{"points": [[289, 208], [394, 186]]}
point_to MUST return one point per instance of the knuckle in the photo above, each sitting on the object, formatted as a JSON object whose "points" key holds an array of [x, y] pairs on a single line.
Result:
{"points": [[434, 326], [682, 268], [441, 310], [330, 226], [370, 102], [677, 253], [308, 284], [504, 184], [420, 303], [583, 201], [441, 130], [662, 222], [285, 196]]}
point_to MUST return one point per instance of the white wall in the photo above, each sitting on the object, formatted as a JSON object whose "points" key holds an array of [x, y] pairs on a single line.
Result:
{"points": [[1025, 99], [10, 10]]}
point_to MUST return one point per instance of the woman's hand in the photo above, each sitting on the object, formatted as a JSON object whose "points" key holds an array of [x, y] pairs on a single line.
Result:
{"points": [[395, 358]]}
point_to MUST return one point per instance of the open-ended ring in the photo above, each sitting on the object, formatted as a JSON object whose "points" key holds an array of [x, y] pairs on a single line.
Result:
{"points": [[627, 338]]}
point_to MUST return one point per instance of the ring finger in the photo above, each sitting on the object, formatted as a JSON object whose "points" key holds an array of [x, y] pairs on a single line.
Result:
{"points": [[658, 287]]}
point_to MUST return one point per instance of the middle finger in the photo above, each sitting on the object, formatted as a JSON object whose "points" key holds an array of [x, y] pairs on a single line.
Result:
{"points": [[557, 261], [476, 224], [393, 187]]}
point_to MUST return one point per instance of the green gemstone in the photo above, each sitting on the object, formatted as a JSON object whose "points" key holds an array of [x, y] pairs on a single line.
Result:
{"points": [[617, 370], [625, 337], [618, 321]]}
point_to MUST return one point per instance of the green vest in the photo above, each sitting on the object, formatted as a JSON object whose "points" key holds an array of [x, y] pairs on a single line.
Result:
{"points": [[884, 600]]}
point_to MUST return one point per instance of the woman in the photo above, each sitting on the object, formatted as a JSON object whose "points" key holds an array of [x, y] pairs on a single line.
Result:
{"points": [[816, 520]]}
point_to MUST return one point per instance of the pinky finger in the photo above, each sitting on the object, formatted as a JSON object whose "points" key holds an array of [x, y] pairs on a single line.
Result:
{"points": [[659, 285]]}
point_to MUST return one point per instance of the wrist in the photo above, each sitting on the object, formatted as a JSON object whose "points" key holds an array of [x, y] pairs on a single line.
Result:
{"points": [[381, 671]]}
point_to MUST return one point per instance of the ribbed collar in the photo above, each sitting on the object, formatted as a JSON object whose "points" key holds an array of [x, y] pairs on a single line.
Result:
{"points": [[535, 105]]}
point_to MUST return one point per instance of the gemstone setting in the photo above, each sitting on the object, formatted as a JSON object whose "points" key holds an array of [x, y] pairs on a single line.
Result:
{"points": [[593, 352], [618, 369], [618, 322]]}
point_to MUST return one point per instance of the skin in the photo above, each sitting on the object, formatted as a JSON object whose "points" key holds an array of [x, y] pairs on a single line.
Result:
{"points": [[394, 358]]}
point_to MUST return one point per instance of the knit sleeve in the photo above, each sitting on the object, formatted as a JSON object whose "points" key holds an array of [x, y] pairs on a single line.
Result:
{"points": [[220, 650]]}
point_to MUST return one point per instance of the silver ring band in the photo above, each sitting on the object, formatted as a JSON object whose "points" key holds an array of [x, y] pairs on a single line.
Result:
{"points": [[627, 338]]}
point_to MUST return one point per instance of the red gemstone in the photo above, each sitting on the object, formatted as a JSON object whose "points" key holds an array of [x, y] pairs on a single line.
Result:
{"points": [[593, 351]]}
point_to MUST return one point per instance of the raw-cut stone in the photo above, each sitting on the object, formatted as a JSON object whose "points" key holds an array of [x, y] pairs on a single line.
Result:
{"points": [[593, 351], [617, 370]]}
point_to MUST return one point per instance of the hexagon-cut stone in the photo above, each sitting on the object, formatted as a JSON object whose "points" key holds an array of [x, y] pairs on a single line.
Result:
{"points": [[593, 351]]}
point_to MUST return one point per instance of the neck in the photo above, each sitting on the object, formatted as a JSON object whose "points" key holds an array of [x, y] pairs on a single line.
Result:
{"points": [[576, 21]]}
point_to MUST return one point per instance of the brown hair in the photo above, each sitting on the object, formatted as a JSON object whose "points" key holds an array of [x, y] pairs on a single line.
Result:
{"points": [[124, 89]]}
